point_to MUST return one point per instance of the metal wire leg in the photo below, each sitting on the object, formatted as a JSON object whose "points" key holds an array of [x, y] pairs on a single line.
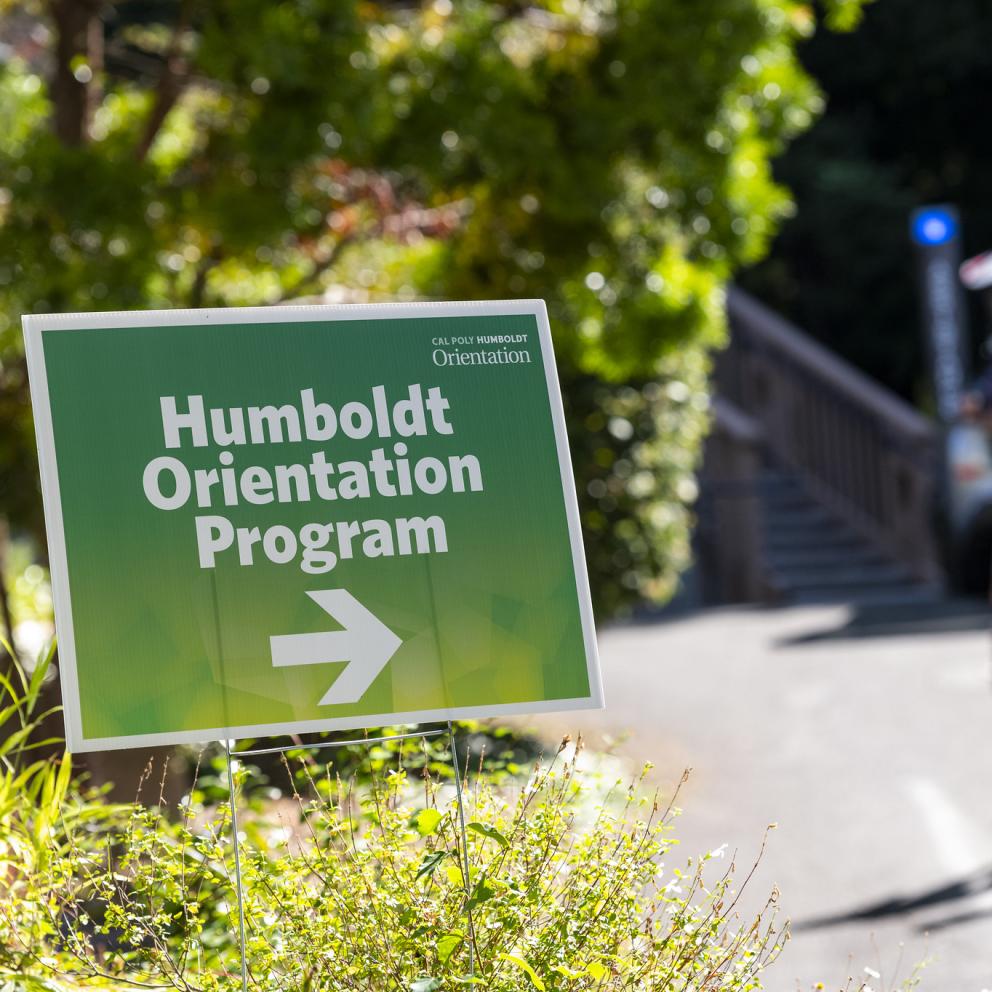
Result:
{"points": [[237, 865], [465, 867], [276, 750]]}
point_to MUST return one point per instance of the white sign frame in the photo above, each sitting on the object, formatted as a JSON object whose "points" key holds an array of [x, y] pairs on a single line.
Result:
{"points": [[36, 326]]}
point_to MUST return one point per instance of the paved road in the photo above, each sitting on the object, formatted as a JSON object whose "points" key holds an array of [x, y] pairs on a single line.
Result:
{"points": [[871, 747]]}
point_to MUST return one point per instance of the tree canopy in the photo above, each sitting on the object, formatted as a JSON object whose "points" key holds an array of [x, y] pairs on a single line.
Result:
{"points": [[610, 156]]}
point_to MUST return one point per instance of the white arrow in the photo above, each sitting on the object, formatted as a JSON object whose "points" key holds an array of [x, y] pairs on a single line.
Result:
{"points": [[366, 643]]}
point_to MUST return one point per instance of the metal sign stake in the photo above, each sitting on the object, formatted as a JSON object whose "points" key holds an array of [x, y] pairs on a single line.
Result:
{"points": [[237, 864], [465, 865], [239, 887]]}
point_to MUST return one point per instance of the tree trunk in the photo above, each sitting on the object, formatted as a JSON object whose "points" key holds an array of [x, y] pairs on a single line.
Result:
{"points": [[78, 60], [5, 613]]}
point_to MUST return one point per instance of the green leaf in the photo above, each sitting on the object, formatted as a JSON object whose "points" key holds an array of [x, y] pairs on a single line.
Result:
{"points": [[491, 832], [449, 943], [597, 970], [526, 968], [425, 985], [844, 15], [62, 780], [481, 892], [429, 863], [8, 647], [30, 983], [426, 821], [39, 673]]}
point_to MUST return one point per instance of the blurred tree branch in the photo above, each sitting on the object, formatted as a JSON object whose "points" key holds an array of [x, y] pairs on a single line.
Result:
{"points": [[173, 78]]}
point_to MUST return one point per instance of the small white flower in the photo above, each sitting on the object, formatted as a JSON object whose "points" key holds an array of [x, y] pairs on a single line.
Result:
{"points": [[871, 973]]}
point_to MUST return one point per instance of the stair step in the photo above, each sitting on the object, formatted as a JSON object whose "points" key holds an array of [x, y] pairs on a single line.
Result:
{"points": [[853, 554], [787, 497], [779, 477], [797, 504], [804, 516], [894, 595], [840, 577], [812, 556], [810, 539]]}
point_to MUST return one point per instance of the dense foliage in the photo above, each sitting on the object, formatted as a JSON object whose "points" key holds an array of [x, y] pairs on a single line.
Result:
{"points": [[610, 156], [904, 126], [501, 753]]}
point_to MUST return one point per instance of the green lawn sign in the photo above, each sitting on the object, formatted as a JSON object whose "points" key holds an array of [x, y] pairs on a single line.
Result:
{"points": [[289, 519]]}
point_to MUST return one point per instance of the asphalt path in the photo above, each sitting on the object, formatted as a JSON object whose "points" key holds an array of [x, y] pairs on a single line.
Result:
{"points": [[865, 736]]}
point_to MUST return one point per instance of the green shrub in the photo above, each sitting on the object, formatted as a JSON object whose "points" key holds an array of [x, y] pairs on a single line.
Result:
{"points": [[508, 754], [347, 890]]}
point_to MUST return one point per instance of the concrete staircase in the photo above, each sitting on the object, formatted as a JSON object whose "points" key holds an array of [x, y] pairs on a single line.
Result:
{"points": [[810, 555], [856, 453]]}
